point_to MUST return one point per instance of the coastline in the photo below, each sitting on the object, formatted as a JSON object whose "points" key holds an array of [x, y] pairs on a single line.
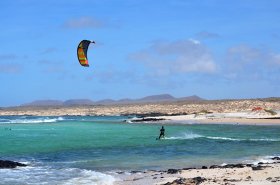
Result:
{"points": [[242, 121], [248, 111], [261, 173], [224, 118]]}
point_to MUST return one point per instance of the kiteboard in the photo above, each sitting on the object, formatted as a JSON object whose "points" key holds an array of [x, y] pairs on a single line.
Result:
{"points": [[160, 138]]}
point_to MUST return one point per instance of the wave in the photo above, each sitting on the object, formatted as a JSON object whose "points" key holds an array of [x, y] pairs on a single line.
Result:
{"points": [[187, 136], [261, 159], [91, 177], [49, 175], [241, 139], [223, 138], [33, 120]]}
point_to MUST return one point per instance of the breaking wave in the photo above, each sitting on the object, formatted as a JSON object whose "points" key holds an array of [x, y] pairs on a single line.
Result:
{"points": [[32, 120], [49, 175], [189, 136]]}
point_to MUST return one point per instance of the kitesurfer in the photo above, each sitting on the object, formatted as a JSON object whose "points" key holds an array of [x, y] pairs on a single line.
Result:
{"points": [[161, 135]]}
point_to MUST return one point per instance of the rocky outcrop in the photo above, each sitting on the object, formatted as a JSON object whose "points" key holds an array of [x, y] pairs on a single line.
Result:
{"points": [[10, 164]]}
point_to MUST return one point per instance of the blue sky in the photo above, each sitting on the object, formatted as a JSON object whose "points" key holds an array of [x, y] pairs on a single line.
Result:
{"points": [[212, 48]]}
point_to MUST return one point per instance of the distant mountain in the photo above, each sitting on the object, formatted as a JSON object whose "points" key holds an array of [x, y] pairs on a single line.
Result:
{"points": [[78, 102], [105, 102], [156, 98], [191, 98], [44, 103], [147, 99]]}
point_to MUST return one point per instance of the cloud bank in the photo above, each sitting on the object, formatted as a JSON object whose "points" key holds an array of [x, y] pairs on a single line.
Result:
{"points": [[181, 56], [250, 63]]}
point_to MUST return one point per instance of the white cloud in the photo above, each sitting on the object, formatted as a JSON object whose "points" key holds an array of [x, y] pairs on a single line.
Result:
{"points": [[182, 56], [194, 41], [250, 63], [10, 68], [243, 54], [275, 58], [4, 57], [207, 35], [84, 22]]}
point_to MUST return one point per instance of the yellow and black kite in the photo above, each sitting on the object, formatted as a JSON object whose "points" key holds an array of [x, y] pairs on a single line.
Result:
{"points": [[82, 52]]}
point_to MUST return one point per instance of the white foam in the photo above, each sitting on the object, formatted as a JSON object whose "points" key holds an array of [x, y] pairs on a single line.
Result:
{"points": [[224, 138], [263, 159], [50, 176], [235, 139], [33, 120], [191, 135], [185, 136], [91, 177], [264, 139]]}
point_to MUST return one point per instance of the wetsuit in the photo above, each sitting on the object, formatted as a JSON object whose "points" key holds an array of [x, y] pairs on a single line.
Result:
{"points": [[161, 135]]}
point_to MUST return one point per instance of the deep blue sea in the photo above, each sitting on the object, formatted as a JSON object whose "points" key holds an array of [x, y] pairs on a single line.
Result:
{"points": [[89, 150]]}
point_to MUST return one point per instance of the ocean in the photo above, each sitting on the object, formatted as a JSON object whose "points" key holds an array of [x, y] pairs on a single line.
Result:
{"points": [[93, 149]]}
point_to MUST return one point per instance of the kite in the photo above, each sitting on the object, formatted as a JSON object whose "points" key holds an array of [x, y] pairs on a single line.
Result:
{"points": [[82, 52]]}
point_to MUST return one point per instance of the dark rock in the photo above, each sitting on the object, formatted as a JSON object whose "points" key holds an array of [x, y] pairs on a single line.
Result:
{"points": [[257, 168], [269, 179], [232, 180], [135, 171], [248, 178], [214, 166], [173, 171], [177, 181], [10, 164], [204, 167], [234, 166], [136, 179], [190, 181], [147, 119], [198, 180], [188, 168], [276, 158]]}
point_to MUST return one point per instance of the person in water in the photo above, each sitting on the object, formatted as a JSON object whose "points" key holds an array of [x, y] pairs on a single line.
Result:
{"points": [[161, 135]]}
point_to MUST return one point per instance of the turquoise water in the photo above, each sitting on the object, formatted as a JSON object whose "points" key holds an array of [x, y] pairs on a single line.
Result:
{"points": [[90, 147]]}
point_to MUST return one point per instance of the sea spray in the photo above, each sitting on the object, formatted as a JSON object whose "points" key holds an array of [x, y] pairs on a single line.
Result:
{"points": [[184, 135]]}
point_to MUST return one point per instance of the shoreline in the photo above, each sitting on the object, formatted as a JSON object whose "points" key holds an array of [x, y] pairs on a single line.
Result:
{"points": [[245, 112], [236, 118], [242, 121], [258, 106], [240, 173]]}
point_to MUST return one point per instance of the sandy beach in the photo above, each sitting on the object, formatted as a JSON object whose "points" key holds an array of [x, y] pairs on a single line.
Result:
{"points": [[254, 111], [246, 119], [239, 174]]}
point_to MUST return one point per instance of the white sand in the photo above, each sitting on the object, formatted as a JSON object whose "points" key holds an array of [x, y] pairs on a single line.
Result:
{"points": [[248, 117], [270, 174]]}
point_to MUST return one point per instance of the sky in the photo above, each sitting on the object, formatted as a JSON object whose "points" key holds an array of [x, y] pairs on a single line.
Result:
{"points": [[215, 49]]}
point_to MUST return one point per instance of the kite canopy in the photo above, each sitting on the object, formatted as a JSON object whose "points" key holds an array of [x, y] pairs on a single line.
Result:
{"points": [[82, 52]]}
